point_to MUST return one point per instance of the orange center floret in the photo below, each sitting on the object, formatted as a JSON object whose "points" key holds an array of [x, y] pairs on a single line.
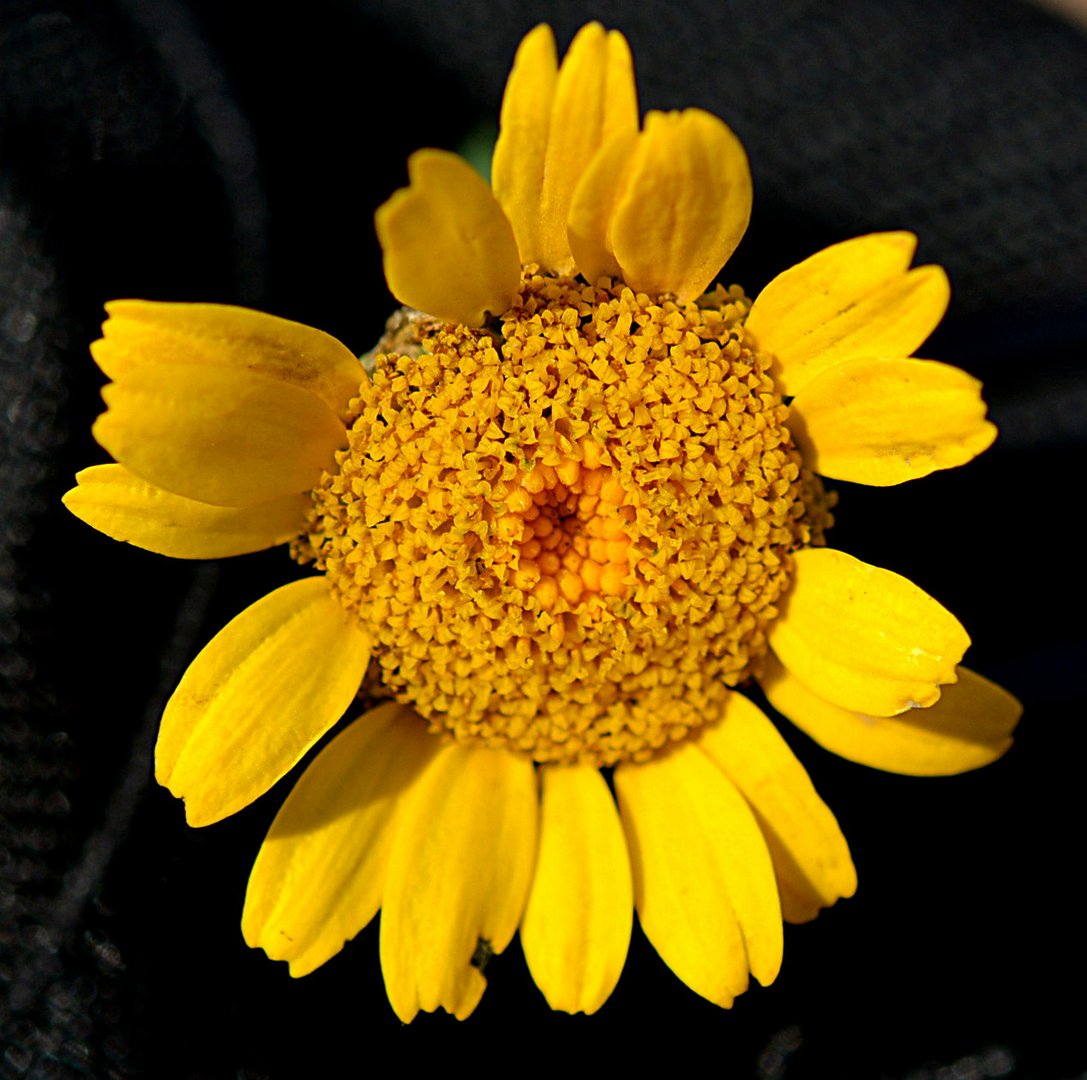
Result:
{"points": [[568, 538], [569, 525]]}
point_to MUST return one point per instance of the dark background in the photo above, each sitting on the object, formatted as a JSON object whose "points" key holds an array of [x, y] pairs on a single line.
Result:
{"points": [[210, 151]]}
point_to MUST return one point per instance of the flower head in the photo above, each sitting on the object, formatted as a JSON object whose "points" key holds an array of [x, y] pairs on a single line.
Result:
{"points": [[566, 514]]}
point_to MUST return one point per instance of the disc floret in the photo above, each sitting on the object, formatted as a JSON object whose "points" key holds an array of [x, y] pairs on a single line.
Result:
{"points": [[568, 534]]}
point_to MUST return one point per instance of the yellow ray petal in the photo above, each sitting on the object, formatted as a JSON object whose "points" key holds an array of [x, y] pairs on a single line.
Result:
{"points": [[811, 857], [593, 207], [321, 870], [576, 928], [592, 102], [447, 246], [139, 333], [217, 435], [258, 696], [113, 501], [517, 168], [865, 638], [458, 875], [882, 422], [858, 298], [703, 881], [620, 89], [685, 205], [968, 727]]}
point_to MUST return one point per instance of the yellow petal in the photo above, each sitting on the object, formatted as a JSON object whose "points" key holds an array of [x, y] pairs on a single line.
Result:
{"points": [[576, 928], [458, 875], [620, 89], [685, 204], [703, 881], [858, 298], [593, 207], [811, 857], [139, 333], [517, 168], [882, 422], [968, 727], [226, 437], [320, 873], [865, 638], [113, 501], [258, 696], [448, 248], [592, 102]]}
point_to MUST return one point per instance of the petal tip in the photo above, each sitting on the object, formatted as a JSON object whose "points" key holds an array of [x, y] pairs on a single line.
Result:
{"points": [[447, 246]]}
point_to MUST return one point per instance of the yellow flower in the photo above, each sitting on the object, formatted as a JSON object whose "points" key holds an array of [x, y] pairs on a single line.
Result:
{"points": [[569, 516]]}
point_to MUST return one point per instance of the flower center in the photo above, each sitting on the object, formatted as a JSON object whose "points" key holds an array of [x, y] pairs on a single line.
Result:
{"points": [[569, 526], [568, 538]]}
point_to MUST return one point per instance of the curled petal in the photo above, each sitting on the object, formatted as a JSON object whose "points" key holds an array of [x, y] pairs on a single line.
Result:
{"points": [[320, 874], [113, 501], [216, 434], [447, 246], [865, 638], [970, 726], [811, 858], [620, 89], [517, 168], [685, 204], [141, 333], [854, 299], [593, 207], [258, 696], [882, 422], [576, 928], [594, 100]]}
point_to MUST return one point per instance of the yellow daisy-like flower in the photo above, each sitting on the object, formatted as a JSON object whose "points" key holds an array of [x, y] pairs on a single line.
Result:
{"points": [[561, 521]]}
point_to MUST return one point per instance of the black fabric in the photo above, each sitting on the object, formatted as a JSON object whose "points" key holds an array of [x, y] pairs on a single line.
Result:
{"points": [[223, 152]]}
